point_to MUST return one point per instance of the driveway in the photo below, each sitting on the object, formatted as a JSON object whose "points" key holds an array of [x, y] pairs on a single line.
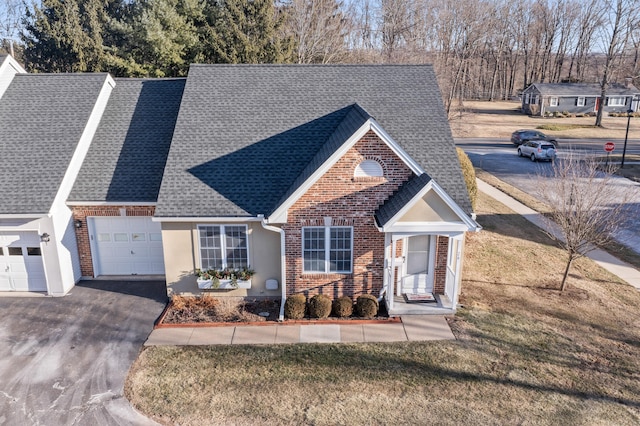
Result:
{"points": [[63, 361]]}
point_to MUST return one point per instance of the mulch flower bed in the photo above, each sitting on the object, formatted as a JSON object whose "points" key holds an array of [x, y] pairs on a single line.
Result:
{"points": [[211, 311]]}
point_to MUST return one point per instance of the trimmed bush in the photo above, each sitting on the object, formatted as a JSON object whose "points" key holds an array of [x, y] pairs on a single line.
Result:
{"points": [[319, 306], [367, 306], [469, 174], [343, 307], [295, 306]]}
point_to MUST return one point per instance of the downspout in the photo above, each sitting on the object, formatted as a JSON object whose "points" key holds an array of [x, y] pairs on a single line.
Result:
{"points": [[283, 263]]}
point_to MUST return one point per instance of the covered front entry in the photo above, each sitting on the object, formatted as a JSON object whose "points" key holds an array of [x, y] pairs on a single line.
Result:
{"points": [[424, 237], [126, 246], [416, 274], [21, 266]]}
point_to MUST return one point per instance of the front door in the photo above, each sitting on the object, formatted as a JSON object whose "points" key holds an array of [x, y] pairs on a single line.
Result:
{"points": [[418, 265]]}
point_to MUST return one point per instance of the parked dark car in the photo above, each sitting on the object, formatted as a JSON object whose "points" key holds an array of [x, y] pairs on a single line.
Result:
{"points": [[524, 135]]}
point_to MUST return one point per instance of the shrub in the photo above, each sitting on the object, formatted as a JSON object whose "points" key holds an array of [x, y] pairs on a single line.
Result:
{"points": [[295, 306], [319, 306], [367, 306], [343, 307], [469, 174]]}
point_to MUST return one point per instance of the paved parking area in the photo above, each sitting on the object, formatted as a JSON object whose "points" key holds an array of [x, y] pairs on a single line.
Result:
{"points": [[63, 361]]}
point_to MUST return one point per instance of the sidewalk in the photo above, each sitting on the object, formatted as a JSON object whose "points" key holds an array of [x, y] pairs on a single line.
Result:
{"points": [[612, 264], [412, 328]]}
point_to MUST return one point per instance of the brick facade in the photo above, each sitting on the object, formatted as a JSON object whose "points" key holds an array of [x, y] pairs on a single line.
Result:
{"points": [[348, 201], [440, 270], [82, 234]]}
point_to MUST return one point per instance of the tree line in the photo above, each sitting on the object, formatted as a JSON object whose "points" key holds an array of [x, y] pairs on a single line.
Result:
{"points": [[482, 49]]}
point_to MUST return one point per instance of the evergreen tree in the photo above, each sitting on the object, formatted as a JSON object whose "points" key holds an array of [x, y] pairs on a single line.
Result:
{"points": [[65, 36], [245, 31]]}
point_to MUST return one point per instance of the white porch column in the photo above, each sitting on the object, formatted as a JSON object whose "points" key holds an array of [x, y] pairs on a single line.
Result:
{"points": [[454, 268], [387, 278]]}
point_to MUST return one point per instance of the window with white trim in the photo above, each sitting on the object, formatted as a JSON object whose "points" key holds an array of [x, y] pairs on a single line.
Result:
{"points": [[526, 98], [223, 246], [580, 101], [368, 168], [553, 102], [616, 101], [327, 249]]}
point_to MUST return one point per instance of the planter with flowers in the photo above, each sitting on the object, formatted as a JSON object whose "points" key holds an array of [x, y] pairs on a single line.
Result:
{"points": [[224, 279]]}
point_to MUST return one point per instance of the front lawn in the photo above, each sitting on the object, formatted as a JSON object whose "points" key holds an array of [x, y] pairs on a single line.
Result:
{"points": [[524, 354]]}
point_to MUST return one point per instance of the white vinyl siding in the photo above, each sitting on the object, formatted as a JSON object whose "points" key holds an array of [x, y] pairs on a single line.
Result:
{"points": [[327, 249], [223, 246]]}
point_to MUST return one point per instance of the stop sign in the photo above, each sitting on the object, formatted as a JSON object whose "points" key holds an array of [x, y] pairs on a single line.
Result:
{"points": [[609, 146]]}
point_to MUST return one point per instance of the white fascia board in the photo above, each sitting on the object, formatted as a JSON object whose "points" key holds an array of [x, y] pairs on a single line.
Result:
{"points": [[435, 228], [207, 219], [23, 216], [279, 215], [469, 223], [109, 203], [8, 69], [84, 143]]}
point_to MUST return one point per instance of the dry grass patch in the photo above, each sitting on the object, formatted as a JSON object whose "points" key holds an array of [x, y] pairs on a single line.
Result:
{"points": [[616, 249], [481, 119], [524, 354]]}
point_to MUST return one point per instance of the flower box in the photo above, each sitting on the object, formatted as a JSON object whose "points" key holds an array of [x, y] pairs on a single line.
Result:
{"points": [[225, 284]]}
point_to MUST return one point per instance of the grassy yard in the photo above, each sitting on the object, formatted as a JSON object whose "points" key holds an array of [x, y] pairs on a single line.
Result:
{"points": [[524, 354], [481, 119]]}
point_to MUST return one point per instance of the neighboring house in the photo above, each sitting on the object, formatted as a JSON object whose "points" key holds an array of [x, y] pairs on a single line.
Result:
{"points": [[47, 122], [323, 179], [577, 98]]}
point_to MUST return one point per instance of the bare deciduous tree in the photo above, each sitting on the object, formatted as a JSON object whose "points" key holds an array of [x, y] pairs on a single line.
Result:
{"points": [[320, 28], [587, 205], [621, 18]]}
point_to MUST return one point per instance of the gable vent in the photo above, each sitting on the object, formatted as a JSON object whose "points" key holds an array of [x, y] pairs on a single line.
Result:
{"points": [[368, 168]]}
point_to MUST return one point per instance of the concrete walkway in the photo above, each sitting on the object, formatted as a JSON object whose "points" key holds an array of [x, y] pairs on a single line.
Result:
{"points": [[412, 328], [612, 264]]}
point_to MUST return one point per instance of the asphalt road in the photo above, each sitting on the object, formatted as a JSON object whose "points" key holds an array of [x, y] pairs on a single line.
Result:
{"points": [[499, 157], [63, 361]]}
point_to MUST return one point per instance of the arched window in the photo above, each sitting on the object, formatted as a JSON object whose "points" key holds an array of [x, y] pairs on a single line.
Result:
{"points": [[368, 168]]}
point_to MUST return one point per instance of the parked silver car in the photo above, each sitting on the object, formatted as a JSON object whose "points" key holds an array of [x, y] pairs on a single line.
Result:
{"points": [[538, 150]]}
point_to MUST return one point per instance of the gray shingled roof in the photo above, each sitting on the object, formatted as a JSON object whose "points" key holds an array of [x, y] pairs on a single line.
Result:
{"points": [[247, 133], [582, 89], [128, 153], [42, 117], [400, 198]]}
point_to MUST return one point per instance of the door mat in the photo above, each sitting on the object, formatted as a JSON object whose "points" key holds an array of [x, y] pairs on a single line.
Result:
{"points": [[419, 298]]}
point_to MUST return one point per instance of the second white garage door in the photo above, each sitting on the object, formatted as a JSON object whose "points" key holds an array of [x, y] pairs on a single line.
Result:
{"points": [[21, 267], [126, 246]]}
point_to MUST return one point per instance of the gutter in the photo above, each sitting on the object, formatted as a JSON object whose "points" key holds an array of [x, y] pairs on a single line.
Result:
{"points": [[283, 263]]}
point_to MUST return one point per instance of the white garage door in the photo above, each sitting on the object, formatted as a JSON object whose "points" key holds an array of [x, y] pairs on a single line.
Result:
{"points": [[126, 246], [21, 266]]}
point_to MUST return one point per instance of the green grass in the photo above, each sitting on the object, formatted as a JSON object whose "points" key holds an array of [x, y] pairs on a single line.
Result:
{"points": [[524, 354]]}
